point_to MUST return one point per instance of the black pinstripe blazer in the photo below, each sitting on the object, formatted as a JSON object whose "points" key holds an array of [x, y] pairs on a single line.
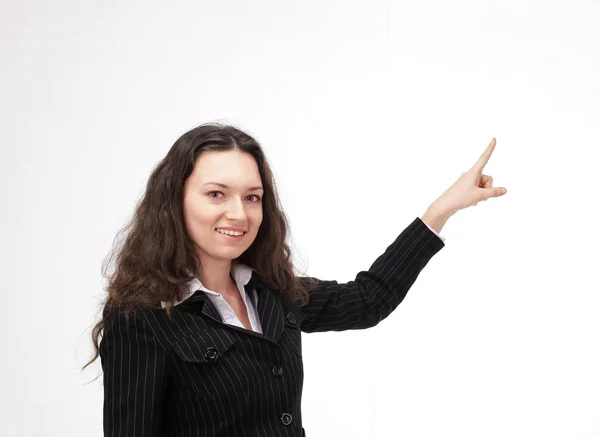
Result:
{"points": [[196, 376]]}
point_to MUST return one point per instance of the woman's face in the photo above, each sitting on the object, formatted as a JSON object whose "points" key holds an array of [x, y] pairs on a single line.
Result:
{"points": [[237, 203]]}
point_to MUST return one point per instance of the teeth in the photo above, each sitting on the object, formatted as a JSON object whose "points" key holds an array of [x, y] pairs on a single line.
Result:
{"points": [[222, 231]]}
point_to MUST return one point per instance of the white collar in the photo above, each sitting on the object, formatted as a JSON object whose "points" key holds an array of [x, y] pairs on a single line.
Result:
{"points": [[241, 274]]}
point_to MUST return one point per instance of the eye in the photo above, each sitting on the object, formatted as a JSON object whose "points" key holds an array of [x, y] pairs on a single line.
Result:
{"points": [[252, 195], [210, 192]]}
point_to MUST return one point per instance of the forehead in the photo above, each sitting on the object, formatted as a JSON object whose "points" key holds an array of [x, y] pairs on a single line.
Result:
{"points": [[231, 167]]}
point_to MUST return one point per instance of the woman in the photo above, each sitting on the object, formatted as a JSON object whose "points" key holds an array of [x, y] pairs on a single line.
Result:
{"points": [[201, 328]]}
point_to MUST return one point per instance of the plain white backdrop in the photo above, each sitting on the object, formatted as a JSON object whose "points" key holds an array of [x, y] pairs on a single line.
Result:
{"points": [[368, 111]]}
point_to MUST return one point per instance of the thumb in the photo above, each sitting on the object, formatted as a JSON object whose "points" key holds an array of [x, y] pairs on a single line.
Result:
{"points": [[494, 192]]}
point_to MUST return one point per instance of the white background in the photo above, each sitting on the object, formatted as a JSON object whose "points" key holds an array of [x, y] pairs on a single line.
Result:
{"points": [[368, 111]]}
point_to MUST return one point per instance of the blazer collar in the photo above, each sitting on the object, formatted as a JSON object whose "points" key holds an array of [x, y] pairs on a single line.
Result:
{"points": [[269, 309]]}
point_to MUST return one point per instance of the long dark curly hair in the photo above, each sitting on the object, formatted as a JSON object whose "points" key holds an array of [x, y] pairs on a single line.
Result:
{"points": [[157, 254]]}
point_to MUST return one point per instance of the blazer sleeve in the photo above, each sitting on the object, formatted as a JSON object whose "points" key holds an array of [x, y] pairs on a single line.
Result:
{"points": [[135, 377], [375, 293]]}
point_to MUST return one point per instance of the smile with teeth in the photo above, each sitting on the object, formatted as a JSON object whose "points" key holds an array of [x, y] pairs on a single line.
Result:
{"points": [[230, 233]]}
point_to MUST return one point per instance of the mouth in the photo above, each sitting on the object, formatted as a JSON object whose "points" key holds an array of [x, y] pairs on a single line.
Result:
{"points": [[231, 237]]}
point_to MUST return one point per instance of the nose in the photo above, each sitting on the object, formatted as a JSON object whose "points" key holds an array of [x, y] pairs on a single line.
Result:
{"points": [[235, 210]]}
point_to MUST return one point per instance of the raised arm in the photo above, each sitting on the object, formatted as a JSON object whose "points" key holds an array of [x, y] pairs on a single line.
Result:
{"points": [[375, 293]]}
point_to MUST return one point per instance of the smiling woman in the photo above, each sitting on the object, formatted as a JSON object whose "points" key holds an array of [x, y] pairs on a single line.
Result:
{"points": [[210, 219], [201, 328]]}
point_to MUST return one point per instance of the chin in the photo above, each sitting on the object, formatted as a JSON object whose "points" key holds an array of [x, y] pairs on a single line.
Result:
{"points": [[229, 254]]}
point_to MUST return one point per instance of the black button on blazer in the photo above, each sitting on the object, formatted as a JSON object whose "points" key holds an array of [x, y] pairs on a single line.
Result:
{"points": [[196, 376]]}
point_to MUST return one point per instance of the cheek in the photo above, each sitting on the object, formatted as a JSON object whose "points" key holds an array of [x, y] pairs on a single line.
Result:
{"points": [[199, 221], [257, 220]]}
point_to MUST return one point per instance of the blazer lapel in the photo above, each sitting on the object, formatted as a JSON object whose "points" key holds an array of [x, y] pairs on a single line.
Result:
{"points": [[270, 310]]}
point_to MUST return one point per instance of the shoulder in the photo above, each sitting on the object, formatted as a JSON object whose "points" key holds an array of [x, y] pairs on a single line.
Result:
{"points": [[142, 324]]}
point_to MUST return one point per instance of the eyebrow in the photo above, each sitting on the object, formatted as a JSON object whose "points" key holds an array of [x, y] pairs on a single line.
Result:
{"points": [[227, 186]]}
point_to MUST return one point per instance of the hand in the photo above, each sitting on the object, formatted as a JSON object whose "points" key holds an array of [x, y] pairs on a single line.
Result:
{"points": [[471, 188]]}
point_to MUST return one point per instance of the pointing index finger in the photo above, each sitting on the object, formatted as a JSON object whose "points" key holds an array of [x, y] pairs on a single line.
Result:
{"points": [[485, 157]]}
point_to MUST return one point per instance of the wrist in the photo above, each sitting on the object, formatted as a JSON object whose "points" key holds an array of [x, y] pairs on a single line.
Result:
{"points": [[436, 216]]}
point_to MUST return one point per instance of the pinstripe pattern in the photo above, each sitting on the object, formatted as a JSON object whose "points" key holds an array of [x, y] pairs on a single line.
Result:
{"points": [[196, 376]]}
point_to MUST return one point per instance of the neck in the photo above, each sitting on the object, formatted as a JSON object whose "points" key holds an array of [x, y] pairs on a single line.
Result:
{"points": [[216, 276]]}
